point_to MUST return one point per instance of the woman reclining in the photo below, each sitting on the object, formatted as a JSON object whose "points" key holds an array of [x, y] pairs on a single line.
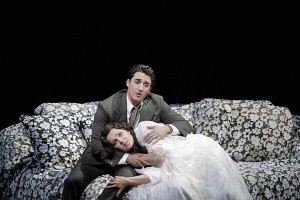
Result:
{"points": [[194, 167]]}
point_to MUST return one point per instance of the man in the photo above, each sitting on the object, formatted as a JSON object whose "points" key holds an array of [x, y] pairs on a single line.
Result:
{"points": [[98, 160]]}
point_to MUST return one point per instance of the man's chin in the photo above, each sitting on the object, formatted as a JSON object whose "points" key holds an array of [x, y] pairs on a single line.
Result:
{"points": [[138, 100]]}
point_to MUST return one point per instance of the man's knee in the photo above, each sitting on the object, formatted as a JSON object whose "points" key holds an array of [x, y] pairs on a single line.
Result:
{"points": [[72, 179]]}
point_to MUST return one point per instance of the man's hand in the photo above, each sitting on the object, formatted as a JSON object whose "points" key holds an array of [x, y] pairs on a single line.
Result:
{"points": [[136, 160], [152, 158], [157, 133]]}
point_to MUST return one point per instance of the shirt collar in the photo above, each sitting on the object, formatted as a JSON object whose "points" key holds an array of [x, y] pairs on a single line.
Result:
{"points": [[130, 106]]}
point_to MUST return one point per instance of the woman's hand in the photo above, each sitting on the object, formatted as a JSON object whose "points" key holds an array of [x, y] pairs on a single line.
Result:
{"points": [[120, 182], [156, 133]]}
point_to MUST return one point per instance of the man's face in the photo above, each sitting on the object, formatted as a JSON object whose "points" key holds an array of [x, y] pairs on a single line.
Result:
{"points": [[138, 87]]}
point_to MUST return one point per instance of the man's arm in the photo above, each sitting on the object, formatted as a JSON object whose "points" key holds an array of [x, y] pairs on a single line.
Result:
{"points": [[172, 118], [101, 118], [166, 115], [142, 160], [153, 159]]}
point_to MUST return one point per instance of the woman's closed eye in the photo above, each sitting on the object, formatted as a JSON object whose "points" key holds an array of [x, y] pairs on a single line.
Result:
{"points": [[116, 141]]}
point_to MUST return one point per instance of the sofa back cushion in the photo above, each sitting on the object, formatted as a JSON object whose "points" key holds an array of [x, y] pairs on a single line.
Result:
{"points": [[259, 132], [83, 113], [184, 110], [211, 118], [248, 130], [296, 132], [56, 139], [15, 147]]}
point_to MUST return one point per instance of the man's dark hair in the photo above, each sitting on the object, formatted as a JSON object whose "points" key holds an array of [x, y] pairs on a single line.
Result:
{"points": [[144, 69]]}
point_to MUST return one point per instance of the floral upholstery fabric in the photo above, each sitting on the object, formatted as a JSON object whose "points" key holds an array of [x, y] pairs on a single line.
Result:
{"points": [[35, 183], [65, 107], [261, 137], [15, 150], [271, 174], [259, 132], [184, 110], [56, 139], [296, 132], [212, 117], [247, 130], [84, 114], [276, 179]]}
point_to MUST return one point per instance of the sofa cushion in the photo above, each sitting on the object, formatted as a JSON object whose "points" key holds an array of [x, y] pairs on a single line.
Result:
{"points": [[211, 118], [213, 101], [56, 139], [65, 107], [275, 179], [35, 183], [15, 147], [184, 110], [259, 132], [248, 130], [296, 132], [84, 113]]}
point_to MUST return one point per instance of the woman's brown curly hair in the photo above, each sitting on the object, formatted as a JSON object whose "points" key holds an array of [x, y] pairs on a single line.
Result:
{"points": [[120, 125]]}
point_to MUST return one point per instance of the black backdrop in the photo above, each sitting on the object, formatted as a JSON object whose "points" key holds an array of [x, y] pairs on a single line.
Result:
{"points": [[54, 51]]}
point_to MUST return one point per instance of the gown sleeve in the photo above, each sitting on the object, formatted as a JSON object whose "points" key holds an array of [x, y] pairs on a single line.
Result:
{"points": [[153, 173], [141, 131]]}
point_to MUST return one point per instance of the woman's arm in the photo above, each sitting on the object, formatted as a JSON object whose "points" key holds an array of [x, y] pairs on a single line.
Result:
{"points": [[126, 181], [121, 182], [149, 175]]}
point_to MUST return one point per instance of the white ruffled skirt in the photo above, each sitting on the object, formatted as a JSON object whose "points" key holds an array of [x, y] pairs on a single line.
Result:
{"points": [[195, 167]]}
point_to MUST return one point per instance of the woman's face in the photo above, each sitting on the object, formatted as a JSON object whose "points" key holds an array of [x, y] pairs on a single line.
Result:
{"points": [[121, 139]]}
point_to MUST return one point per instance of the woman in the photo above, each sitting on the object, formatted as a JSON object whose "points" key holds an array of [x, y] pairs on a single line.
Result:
{"points": [[194, 167]]}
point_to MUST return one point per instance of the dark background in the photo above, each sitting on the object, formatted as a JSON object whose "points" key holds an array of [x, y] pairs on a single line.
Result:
{"points": [[59, 51]]}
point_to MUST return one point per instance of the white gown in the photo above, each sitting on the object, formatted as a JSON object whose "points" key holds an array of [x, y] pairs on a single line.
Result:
{"points": [[194, 167]]}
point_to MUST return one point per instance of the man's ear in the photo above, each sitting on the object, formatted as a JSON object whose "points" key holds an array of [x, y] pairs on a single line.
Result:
{"points": [[127, 82]]}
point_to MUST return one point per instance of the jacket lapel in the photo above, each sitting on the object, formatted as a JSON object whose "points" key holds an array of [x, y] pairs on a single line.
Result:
{"points": [[120, 107], [148, 110]]}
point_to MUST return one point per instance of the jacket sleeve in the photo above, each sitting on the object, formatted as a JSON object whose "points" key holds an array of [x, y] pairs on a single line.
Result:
{"points": [[99, 151], [168, 116]]}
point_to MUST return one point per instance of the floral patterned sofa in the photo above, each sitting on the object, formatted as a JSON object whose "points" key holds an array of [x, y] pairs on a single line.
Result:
{"points": [[38, 153]]}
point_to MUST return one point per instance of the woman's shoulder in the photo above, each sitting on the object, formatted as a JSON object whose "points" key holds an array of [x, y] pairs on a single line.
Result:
{"points": [[149, 123], [145, 123], [142, 128]]}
